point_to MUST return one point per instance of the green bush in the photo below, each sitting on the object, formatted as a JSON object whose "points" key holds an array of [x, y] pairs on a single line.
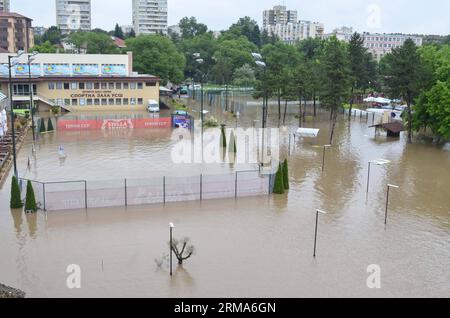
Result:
{"points": [[16, 201], [30, 200], [42, 126], [286, 174], [279, 182], [50, 125], [223, 138], [232, 146]]}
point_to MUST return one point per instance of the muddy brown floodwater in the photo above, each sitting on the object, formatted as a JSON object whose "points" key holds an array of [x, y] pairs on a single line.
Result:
{"points": [[252, 247]]}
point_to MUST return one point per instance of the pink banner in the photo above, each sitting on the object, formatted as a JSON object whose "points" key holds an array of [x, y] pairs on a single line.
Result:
{"points": [[79, 125]]}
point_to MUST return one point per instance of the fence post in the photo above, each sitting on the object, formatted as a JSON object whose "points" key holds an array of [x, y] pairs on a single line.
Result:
{"points": [[201, 187], [164, 189], [85, 194], [43, 190], [126, 193], [236, 185]]}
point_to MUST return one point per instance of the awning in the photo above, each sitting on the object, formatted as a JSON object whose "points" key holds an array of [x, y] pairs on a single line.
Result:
{"points": [[307, 132]]}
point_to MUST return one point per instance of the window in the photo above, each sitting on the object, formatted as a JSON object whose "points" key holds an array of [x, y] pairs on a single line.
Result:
{"points": [[133, 101], [66, 86], [150, 84], [132, 85], [58, 85], [66, 102], [89, 101], [82, 101], [96, 102], [111, 101], [118, 101], [51, 86], [125, 85], [89, 86], [96, 85], [104, 86], [140, 86], [140, 101], [118, 85], [74, 102], [73, 86], [111, 85], [125, 101], [104, 101], [82, 86]]}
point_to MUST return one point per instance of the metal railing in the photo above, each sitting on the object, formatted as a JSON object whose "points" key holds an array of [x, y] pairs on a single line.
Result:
{"points": [[82, 194]]}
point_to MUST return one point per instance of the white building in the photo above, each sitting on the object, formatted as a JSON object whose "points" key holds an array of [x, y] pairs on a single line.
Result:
{"points": [[150, 16], [73, 15], [279, 15], [293, 32], [4, 5], [377, 44]]}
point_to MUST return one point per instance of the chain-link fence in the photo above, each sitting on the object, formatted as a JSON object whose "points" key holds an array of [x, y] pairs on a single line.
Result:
{"points": [[72, 195]]}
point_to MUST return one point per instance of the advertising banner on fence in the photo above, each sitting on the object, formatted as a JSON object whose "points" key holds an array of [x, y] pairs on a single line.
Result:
{"points": [[85, 69], [57, 69], [107, 124]]}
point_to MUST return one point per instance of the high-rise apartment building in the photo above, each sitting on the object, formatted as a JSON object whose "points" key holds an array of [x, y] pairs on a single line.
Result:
{"points": [[73, 15], [279, 15], [150, 16], [285, 25], [16, 32], [4, 6]]}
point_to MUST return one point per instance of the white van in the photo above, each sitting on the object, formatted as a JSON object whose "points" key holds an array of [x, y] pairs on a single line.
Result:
{"points": [[153, 106]]}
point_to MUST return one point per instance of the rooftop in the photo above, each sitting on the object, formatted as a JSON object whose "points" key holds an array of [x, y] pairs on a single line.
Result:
{"points": [[13, 15]]}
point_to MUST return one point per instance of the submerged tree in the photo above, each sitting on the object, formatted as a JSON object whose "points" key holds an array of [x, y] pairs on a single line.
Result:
{"points": [[182, 249], [50, 125], [279, 181], [286, 174], [16, 200], [30, 201], [42, 126]]}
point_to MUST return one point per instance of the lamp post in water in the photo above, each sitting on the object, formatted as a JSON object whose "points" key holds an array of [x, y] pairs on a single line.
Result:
{"points": [[171, 226], [317, 224], [323, 160], [11, 64], [259, 61], [389, 186], [379, 162], [31, 58]]}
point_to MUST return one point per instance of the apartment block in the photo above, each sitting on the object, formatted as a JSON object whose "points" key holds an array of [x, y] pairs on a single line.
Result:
{"points": [[279, 15], [16, 32], [4, 6], [73, 15], [150, 16]]}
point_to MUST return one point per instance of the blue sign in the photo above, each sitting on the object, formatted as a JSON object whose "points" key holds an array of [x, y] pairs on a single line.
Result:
{"points": [[85, 69], [57, 69], [22, 69], [181, 121], [4, 70], [114, 69]]}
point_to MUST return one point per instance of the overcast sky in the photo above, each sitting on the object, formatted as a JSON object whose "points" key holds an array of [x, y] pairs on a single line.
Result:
{"points": [[405, 16]]}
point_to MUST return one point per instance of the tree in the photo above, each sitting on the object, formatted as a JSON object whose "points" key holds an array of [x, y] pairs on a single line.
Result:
{"points": [[131, 34], [95, 42], [335, 78], [223, 137], [45, 47], [432, 109], [52, 35], [50, 125], [204, 44], [246, 27], [286, 174], [244, 76], [232, 147], [42, 126], [118, 32], [279, 181], [358, 71], [16, 200], [405, 75], [157, 55], [182, 249], [30, 200], [191, 28]]}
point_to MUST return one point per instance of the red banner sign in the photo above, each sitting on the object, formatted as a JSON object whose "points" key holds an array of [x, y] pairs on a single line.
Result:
{"points": [[109, 124]]}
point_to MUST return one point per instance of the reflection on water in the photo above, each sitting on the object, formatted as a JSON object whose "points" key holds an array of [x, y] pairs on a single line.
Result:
{"points": [[252, 247]]}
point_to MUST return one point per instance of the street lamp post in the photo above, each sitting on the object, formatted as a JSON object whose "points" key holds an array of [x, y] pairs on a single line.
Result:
{"points": [[258, 60], [323, 160], [11, 104], [171, 247], [30, 59], [379, 162], [317, 224], [389, 186]]}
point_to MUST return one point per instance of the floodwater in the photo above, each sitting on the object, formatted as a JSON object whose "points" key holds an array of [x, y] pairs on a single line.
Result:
{"points": [[252, 247]]}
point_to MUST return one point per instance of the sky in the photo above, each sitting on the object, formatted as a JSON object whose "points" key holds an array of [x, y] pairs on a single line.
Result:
{"points": [[383, 16]]}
